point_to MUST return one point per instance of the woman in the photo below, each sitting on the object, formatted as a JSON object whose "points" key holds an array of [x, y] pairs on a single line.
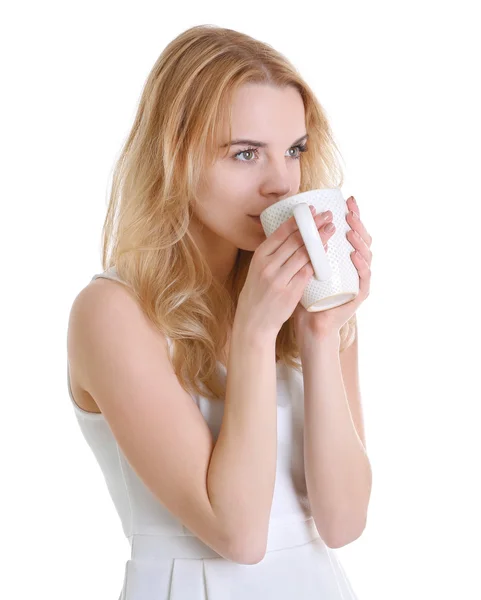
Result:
{"points": [[184, 371]]}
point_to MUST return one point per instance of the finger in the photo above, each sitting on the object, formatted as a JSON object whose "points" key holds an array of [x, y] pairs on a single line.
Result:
{"points": [[364, 274], [357, 225], [278, 237], [326, 235], [323, 219], [352, 205], [359, 244]]}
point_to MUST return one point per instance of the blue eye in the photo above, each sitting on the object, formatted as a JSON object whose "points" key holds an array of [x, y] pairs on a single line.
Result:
{"points": [[300, 148]]}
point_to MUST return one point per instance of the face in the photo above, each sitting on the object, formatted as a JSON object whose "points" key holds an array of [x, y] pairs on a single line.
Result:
{"points": [[251, 177]]}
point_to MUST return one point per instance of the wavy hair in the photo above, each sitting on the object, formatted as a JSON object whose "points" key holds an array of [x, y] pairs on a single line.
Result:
{"points": [[184, 106]]}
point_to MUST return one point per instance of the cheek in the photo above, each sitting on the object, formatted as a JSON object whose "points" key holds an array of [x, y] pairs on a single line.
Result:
{"points": [[235, 175], [237, 197]]}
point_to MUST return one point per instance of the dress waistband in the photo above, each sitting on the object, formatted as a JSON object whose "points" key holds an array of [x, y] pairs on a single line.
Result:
{"points": [[284, 534]]}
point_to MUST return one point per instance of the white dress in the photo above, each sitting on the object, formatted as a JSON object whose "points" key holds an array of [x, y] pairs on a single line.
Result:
{"points": [[169, 563]]}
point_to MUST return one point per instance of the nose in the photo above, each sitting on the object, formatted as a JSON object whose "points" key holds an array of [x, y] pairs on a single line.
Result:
{"points": [[277, 181]]}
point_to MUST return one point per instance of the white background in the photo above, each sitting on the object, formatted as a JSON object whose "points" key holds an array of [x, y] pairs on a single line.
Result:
{"points": [[400, 84]]}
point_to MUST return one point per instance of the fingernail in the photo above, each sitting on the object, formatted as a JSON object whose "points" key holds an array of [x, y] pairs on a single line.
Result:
{"points": [[354, 214], [313, 209]]}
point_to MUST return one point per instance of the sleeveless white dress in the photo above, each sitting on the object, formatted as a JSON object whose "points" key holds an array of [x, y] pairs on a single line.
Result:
{"points": [[168, 562]]}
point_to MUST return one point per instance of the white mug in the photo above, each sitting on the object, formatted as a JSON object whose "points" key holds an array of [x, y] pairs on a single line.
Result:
{"points": [[335, 280]]}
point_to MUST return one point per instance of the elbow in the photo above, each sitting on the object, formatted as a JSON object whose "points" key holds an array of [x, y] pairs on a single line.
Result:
{"points": [[247, 552], [343, 537], [248, 557]]}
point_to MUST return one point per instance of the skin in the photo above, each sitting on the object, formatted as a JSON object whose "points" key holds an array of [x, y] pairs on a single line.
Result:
{"points": [[248, 185], [221, 227]]}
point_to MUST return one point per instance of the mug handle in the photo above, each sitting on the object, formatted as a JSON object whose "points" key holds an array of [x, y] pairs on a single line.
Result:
{"points": [[312, 240]]}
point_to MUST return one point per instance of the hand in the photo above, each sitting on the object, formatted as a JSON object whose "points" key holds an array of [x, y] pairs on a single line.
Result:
{"points": [[278, 274], [330, 321]]}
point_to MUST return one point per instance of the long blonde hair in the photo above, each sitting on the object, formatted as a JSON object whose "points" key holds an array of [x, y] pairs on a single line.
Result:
{"points": [[183, 109]]}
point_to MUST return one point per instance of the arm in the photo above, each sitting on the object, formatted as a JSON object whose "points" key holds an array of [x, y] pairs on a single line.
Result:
{"points": [[221, 493], [242, 470], [338, 472]]}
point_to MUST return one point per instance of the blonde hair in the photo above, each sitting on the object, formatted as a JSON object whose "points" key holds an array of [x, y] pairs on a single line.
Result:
{"points": [[183, 109]]}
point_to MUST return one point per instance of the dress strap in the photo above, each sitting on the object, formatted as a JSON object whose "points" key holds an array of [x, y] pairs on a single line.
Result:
{"points": [[110, 273]]}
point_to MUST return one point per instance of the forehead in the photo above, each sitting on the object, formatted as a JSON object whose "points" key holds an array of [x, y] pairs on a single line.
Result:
{"points": [[267, 113]]}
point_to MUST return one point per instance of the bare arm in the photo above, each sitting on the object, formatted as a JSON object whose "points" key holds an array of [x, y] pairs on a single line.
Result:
{"points": [[338, 471], [243, 466], [222, 494]]}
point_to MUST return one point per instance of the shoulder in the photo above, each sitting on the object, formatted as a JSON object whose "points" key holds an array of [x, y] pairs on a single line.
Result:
{"points": [[104, 302], [106, 316]]}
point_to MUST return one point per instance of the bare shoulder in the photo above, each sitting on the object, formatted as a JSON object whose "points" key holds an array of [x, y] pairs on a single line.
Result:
{"points": [[102, 297], [105, 317], [99, 309], [120, 359], [93, 313]]}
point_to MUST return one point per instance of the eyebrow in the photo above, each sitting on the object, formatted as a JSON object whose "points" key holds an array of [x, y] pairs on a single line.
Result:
{"points": [[259, 144]]}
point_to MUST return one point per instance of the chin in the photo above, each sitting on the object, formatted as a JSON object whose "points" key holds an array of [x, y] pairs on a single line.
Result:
{"points": [[251, 241], [252, 245], [249, 247], [247, 238]]}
